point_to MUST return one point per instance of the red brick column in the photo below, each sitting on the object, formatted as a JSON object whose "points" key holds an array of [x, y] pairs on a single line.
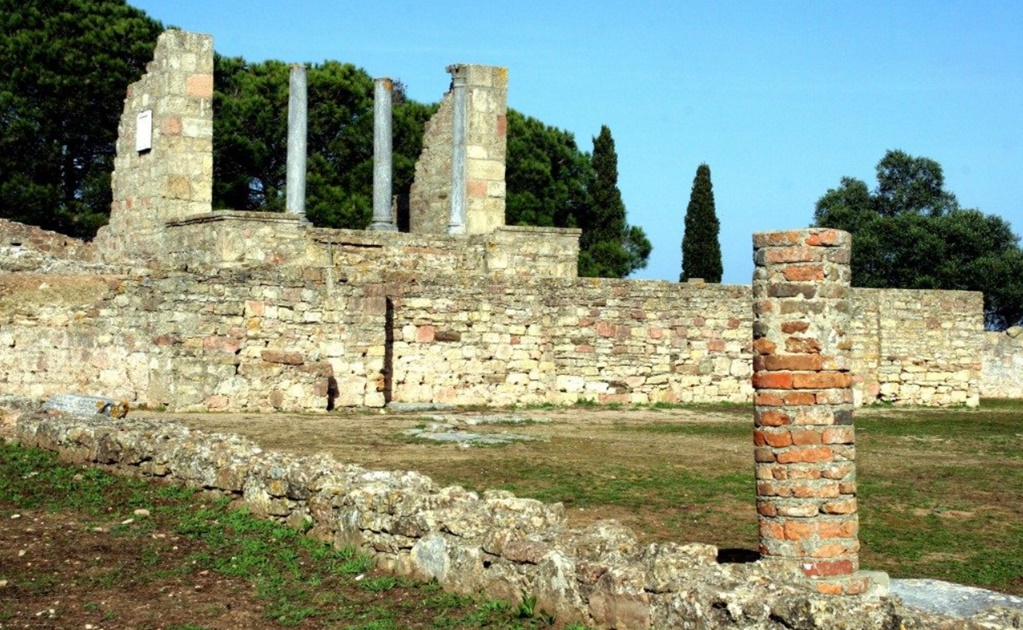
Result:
{"points": [[803, 405]]}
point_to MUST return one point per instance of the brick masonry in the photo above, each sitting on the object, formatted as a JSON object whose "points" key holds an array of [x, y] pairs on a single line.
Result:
{"points": [[803, 405]]}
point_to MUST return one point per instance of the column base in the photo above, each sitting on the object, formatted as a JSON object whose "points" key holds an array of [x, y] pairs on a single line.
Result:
{"points": [[871, 583], [383, 227]]}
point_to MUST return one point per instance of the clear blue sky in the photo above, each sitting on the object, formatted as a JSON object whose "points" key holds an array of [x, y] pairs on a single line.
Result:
{"points": [[781, 99]]}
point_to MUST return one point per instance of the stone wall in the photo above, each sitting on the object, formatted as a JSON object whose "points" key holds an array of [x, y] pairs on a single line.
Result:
{"points": [[562, 341], [31, 241], [1002, 373], [491, 543], [383, 323], [918, 347], [174, 178]]}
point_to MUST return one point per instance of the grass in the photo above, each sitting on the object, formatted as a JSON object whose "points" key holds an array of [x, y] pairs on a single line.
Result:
{"points": [[295, 578]]}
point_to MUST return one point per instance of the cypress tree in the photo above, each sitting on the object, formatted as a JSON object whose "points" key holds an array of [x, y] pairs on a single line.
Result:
{"points": [[701, 252], [609, 246]]}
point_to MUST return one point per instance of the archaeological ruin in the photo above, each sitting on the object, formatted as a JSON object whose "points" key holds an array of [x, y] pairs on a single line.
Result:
{"points": [[180, 307]]}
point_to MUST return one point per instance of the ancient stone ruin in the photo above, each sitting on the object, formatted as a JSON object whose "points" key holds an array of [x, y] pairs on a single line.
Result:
{"points": [[177, 306]]}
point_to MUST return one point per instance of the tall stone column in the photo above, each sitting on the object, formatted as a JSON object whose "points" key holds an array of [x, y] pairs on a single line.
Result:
{"points": [[458, 163], [297, 130], [803, 405], [383, 220]]}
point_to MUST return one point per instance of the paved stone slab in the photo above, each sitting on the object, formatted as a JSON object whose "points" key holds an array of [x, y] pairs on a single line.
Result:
{"points": [[947, 598]]}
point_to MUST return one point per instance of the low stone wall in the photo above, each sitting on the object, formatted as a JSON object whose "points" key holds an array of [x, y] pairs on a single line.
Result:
{"points": [[1002, 374], [28, 241], [494, 544]]}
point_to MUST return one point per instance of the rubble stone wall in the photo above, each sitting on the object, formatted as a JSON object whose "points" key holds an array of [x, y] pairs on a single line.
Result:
{"points": [[382, 324], [491, 543], [1002, 374]]}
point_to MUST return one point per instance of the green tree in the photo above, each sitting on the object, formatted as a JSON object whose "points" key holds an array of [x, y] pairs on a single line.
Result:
{"points": [[547, 175], [910, 233], [701, 252], [609, 247], [65, 66]]}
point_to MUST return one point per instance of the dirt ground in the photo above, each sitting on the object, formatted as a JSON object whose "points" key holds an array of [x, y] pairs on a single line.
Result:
{"points": [[593, 444]]}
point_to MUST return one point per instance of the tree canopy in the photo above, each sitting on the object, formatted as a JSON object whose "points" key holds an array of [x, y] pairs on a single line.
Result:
{"points": [[701, 252], [911, 233], [66, 65]]}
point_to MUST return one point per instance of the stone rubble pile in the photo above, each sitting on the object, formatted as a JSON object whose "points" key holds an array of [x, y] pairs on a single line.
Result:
{"points": [[492, 543]]}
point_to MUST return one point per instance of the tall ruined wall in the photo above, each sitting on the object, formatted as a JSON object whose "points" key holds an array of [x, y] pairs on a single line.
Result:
{"points": [[430, 195], [1002, 374], [486, 90], [173, 179]]}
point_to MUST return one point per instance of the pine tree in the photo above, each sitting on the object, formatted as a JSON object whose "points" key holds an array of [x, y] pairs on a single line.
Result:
{"points": [[701, 252], [609, 247]]}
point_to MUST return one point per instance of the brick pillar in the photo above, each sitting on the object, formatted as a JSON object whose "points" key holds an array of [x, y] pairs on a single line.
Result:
{"points": [[803, 411]]}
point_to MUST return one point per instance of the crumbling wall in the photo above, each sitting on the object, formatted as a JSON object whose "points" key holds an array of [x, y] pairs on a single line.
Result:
{"points": [[1002, 373], [27, 241], [174, 178], [494, 544], [485, 155]]}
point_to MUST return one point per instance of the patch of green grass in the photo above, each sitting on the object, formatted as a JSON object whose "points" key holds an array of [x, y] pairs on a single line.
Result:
{"points": [[1001, 404]]}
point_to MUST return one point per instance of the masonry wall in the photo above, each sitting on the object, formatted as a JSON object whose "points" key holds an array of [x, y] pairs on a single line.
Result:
{"points": [[254, 339], [382, 324], [551, 341], [236, 239], [1002, 373], [174, 178], [918, 347]]}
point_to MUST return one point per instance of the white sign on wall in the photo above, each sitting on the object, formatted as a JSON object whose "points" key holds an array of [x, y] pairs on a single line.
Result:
{"points": [[144, 131]]}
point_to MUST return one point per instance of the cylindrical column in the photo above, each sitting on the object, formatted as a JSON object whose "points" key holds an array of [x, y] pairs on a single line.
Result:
{"points": [[803, 405], [459, 120], [297, 128], [383, 220]]}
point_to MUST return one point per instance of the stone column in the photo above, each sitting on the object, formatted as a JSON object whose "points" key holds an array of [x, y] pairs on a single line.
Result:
{"points": [[297, 128], [459, 118], [383, 220], [803, 405]]}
